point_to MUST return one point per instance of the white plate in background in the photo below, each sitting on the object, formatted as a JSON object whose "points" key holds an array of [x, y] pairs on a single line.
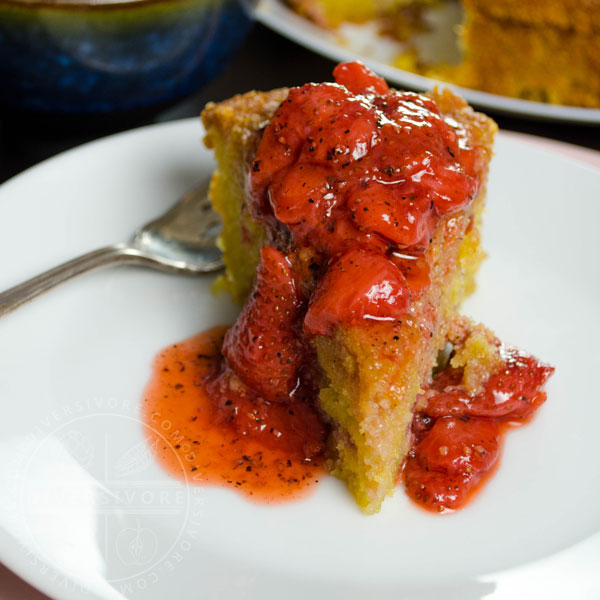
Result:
{"points": [[363, 43], [73, 364]]}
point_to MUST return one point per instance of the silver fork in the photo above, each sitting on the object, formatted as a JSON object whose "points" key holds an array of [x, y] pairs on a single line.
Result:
{"points": [[183, 240]]}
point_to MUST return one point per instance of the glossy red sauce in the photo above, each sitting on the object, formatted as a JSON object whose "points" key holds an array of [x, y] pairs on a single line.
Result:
{"points": [[194, 440], [458, 435], [355, 172]]}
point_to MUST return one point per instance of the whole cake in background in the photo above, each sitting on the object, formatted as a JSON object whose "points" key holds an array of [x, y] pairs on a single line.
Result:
{"points": [[547, 51], [352, 222]]}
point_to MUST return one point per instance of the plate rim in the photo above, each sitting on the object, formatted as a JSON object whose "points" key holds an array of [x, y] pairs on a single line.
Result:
{"points": [[18, 565]]}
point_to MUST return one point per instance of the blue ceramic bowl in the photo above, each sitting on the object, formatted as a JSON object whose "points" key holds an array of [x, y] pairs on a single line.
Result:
{"points": [[78, 56]]}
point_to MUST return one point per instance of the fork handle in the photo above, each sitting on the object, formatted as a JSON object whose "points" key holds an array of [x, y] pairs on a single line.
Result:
{"points": [[103, 257]]}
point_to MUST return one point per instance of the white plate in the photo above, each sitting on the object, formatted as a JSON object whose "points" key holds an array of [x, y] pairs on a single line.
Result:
{"points": [[80, 518], [362, 42]]}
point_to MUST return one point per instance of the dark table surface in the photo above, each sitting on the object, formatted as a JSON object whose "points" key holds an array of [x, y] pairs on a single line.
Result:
{"points": [[265, 61]]}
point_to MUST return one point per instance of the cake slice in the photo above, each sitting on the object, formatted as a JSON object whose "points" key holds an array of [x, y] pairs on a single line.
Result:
{"points": [[531, 49], [369, 203]]}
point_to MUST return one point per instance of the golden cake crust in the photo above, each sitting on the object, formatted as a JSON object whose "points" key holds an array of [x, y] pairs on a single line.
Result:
{"points": [[540, 50], [582, 16], [561, 41]]}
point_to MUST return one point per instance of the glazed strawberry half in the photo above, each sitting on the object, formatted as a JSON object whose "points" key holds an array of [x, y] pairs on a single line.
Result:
{"points": [[362, 286], [262, 348]]}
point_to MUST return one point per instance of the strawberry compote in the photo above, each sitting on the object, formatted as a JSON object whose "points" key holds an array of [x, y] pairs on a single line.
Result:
{"points": [[355, 172], [345, 175]]}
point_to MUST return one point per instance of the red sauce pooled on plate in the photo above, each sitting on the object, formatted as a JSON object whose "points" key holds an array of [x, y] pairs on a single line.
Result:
{"points": [[194, 440]]}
